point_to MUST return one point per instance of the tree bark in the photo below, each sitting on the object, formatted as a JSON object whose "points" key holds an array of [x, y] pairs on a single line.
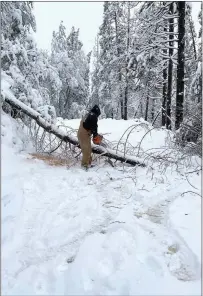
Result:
{"points": [[119, 67], [122, 109], [125, 117], [164, 89], [181, 64], [126, 82], [147, 107], [152, 110], [52, 129], [170, 70], [141, 110]]}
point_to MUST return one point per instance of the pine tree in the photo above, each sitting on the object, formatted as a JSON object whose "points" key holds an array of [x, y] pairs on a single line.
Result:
{"points": [[107, 74], [181, 64], [95, 82], [170, 67], [164, 82], [114, 55], [191, 62], [150, 52], [73, 68], [19, 56]]}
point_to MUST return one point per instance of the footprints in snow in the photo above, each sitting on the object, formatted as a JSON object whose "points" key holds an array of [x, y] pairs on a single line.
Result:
{"points": [[180, 260]]}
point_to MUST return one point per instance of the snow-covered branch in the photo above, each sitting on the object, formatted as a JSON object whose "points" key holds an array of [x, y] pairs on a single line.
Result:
{"points": [[69, 138]]}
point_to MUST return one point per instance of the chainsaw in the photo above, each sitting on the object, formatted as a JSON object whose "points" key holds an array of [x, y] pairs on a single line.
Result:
{"points": [[104, 144], [99, 140]]}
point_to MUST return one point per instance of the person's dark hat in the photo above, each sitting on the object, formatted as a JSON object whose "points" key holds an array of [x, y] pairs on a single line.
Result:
{"points": [[96, 110]]}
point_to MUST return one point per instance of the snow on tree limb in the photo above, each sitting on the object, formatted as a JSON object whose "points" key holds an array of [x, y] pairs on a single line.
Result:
{"points": [[68, 138]]}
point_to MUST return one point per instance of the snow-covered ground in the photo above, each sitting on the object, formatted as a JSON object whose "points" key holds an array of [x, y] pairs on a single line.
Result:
{"points": [[108, 231]]}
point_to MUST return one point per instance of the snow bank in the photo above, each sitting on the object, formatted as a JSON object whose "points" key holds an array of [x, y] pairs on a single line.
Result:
{"points": [[14, 135], [6, 83]]}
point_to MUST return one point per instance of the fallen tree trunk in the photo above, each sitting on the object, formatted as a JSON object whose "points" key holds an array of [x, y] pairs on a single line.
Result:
{"points": [[67, 138]]}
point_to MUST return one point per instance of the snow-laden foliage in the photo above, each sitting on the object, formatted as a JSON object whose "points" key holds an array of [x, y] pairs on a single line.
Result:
{"points": [[136, 69], [40, 80], [191, 128], [27, 67], [73, 69]]}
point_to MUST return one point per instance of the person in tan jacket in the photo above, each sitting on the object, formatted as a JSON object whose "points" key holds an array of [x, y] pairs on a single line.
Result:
{"points": [[88, 127]]}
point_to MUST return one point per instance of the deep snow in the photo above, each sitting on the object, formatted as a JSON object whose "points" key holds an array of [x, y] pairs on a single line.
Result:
{"points": [[102, 232]]}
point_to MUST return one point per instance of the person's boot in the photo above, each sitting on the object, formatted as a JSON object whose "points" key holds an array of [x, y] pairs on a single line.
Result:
{"points": [[84, 167]]}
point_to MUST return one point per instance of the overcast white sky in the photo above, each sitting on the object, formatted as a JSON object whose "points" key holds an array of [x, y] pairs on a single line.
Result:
{"points": [[87, 16]]}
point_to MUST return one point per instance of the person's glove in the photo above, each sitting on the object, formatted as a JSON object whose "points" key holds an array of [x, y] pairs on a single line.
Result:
{"points": [[97, 140]]}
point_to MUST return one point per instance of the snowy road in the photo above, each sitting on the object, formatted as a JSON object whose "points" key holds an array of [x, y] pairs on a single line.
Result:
{"points": [[70, 232]]}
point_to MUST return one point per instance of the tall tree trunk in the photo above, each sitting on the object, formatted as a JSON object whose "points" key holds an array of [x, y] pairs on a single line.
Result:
{"points": [[119, 67], [181, 64], [147, 92], [121, 98], [126, 82], [122, 109], [170, 70], [164, 89], [121, 95], [147, 107], [152, 110], [200, 89], [141, 110], [126, 102], [136, 111]]}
